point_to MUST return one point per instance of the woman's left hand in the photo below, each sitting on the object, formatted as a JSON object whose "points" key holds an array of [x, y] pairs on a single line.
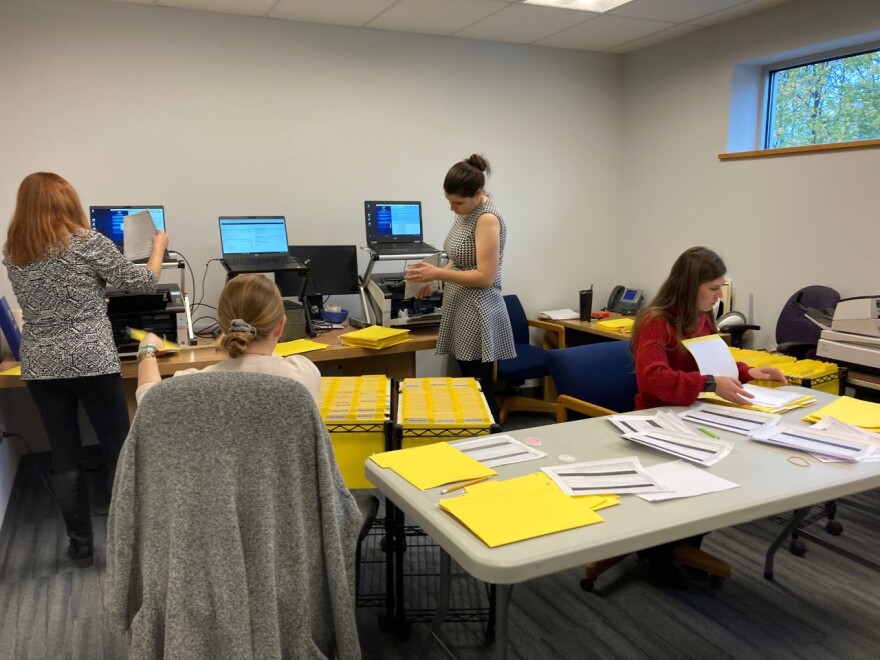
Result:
{"points": [[768, 373], [155, 340], [422, 272]]}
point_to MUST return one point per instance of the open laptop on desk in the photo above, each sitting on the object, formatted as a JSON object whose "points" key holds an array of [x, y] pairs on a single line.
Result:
{"points": [[395, 228], [256, 244], [110, 221]]}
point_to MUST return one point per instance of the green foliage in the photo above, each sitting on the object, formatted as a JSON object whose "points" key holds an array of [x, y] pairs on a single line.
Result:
{"points": [[830, 101]]}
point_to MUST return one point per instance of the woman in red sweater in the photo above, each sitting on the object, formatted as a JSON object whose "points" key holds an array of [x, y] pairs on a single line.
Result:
{"points": [[667, 373]]}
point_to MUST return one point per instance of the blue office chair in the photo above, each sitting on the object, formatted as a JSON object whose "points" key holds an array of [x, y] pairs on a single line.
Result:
{"points": [[597, 380], [529, 363]]}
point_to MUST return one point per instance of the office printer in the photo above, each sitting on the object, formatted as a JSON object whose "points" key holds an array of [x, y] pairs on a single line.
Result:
{"points": [[385, 296], [164, 313], [854, 337]]}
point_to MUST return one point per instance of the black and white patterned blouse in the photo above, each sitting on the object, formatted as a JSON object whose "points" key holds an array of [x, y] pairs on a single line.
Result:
{"points": [[475, 324], [66, 332]]}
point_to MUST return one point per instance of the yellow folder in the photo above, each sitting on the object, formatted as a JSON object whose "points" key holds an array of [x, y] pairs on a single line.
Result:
{"points": [[865, 414], [432, 465], [297, 346]]}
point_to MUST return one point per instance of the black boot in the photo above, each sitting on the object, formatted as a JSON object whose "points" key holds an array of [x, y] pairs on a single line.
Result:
{"points": [[70, 489]]}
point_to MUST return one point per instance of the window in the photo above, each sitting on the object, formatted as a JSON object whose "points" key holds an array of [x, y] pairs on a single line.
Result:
{"points": [[824, 101]]}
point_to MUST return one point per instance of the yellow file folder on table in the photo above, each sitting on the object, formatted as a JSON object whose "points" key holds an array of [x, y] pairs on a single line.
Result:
{"points": [[432, 465]]}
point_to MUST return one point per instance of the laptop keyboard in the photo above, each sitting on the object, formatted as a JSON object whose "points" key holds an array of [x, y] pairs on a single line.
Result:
{"points": [[408, 248], [281, 260]]}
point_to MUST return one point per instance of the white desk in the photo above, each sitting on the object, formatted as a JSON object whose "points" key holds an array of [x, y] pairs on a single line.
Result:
{"points": [[769, 485]]}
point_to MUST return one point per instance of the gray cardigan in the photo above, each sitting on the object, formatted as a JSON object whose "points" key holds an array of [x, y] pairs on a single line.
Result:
{"points": [[231, 533]]}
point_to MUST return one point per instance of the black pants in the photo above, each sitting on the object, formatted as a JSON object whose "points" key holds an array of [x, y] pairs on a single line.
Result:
{"points": [[103, 398], [483, 372]]}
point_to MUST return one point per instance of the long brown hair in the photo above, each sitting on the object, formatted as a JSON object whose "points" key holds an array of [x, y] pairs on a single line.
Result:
{"points": [[47, 211], [255, 300], [676, 301]]}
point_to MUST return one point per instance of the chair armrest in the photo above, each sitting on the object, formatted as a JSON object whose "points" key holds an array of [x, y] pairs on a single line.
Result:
{"points": [[554, 335], [796, 349], [564, 403]]}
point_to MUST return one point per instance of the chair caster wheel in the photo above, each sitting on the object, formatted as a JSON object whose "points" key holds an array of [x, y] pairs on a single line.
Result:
{"points": [[798, 548], [834, 528], [716, 581], [587, 585]]}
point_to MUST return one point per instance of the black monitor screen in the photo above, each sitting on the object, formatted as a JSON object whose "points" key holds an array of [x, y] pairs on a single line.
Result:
{"points": [[333, 271]]}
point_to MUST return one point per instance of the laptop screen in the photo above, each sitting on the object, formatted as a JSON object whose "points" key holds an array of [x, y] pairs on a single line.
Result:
{"points": [[393, 222], [253, 235], [110, 220]]}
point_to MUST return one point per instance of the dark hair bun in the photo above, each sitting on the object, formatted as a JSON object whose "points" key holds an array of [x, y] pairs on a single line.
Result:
{"points": [[476, 160]]}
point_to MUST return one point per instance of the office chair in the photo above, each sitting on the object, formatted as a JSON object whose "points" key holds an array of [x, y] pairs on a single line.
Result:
{"points": [[597, 380], [231, 532], [528, 363], [735, 324], [797, 335]]}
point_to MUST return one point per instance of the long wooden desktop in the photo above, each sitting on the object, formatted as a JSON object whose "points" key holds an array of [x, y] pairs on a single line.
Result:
{"points": [[769, 484]]}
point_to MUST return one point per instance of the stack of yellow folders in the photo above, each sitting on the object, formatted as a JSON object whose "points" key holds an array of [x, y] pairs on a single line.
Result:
{"points": [[442, 403], [864, 414], [375, 337], [354, 399]]}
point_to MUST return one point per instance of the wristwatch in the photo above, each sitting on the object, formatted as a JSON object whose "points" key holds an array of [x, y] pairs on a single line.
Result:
{"points": [[710, 384], [147, 350]]}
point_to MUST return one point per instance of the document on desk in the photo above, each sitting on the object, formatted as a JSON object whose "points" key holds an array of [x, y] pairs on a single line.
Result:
{"points": [[766, 399], [659, 421], [865, 414], [690, 447], [685, 480], [618, 475], [712, 355], [430, 466], [410, 289], [138, 230], [496, 450], [813, 441], [559, 315], [728, 418], [854, 432]]}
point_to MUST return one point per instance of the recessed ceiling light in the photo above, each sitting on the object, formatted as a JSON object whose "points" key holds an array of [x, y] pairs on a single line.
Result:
{"points": [[583, 5]]}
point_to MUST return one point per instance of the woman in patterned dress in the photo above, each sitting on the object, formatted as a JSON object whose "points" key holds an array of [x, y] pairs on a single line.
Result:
{"points": [[59, 269], [475, 327]]}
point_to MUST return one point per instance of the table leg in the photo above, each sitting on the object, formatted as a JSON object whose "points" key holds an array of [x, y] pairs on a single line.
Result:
{"points": [[796, 520], [502, 602], [443, 596]]}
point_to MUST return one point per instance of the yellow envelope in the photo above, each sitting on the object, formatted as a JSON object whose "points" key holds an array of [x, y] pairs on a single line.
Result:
{"points": [[865, 414], [432, 465], [297, 346]]}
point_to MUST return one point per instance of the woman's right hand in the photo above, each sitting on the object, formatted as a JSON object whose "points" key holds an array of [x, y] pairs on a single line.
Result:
{"points": [[160, 242], [155, 340], [730, 389]]}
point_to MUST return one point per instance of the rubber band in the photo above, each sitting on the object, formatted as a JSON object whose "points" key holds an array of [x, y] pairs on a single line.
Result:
{"points": [[800, 461]]}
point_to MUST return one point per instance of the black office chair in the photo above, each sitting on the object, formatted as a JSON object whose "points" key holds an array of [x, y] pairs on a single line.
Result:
{"points": [[529, 363], [735, 324], [796, 334]]}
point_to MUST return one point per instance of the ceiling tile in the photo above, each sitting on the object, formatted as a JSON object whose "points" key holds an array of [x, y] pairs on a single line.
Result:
{"points": [[603, 33], [666, 35], [435, 16], [672, 11], [333, 12], [525, 23], [743, 9], [244, 7]]}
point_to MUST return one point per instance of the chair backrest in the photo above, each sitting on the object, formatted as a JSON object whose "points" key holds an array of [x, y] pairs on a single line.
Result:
{"points": [[518, 321], [793, 325], [602, 374], [231, 532]]}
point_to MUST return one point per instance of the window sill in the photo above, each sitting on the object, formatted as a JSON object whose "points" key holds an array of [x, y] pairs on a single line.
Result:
{"points": [[788, 151]]}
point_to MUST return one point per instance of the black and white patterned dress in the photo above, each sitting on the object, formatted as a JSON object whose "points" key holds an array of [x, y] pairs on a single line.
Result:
{"points": [[475, 324], [66, 332]]}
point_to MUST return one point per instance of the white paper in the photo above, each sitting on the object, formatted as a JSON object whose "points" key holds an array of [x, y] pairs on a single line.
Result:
{"points": [[705, 451], [833, 425], [813, 441], [138, 230], [728, 418], [685, 480], [559, 314], [712, 355], [768, 397], [410, 289], [616, 475], [659, 421], [495, 450]]}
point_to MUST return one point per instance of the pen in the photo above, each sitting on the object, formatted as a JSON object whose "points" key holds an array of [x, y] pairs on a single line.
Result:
{"points": [[463, 484], [709, 433]]}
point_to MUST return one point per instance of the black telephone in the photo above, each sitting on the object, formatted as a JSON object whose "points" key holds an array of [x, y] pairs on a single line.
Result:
{"points": [[624, 300]]}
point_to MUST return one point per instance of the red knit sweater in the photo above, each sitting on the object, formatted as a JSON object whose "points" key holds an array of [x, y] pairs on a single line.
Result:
{"points": [[669, 376]]}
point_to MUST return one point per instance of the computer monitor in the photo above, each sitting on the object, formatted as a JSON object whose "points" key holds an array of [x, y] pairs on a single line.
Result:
{"points": [[333, 271], [110, 220]]}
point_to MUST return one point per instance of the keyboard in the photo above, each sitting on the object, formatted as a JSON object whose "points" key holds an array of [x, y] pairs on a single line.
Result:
{"points": [[407, 248], [263, 262]]}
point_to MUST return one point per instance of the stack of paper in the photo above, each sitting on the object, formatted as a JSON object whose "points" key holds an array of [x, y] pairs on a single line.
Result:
{"points": [[817, 442], [616, 475], [442, 403], [496, 450], [738, 420], [689, 446], [659, 421], [767, 399], [375, 337], [297, 346], [853, 433], [357, 399], [617, 325], [863, 414], [501, 512], [559, 314]]}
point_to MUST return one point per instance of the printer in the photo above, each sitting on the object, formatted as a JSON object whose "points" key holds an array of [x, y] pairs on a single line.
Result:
{"points": [[391, 309], [854, 337], [164, 313]]}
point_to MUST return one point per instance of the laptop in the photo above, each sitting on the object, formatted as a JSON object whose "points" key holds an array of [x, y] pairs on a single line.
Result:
{"points": [[256, 244], [110, 221], [395, 228]]}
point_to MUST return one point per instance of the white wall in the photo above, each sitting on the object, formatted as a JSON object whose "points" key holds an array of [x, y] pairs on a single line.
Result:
{"points": [[214, 114], [780, 223]]}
